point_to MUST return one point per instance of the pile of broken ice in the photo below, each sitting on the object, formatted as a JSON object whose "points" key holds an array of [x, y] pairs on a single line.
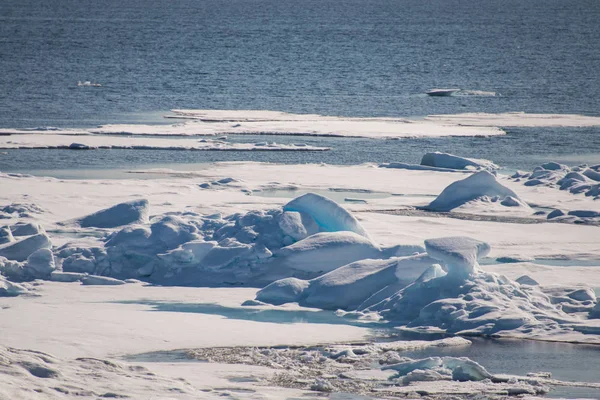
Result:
{"points": [[581, 179], [310, 251]]}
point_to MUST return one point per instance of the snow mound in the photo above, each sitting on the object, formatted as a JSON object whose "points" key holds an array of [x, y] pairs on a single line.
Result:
{"points": [[329, 216], [20, 250], [450, 161], [326, 251], [287, 290], [130, 212], [478, 186], [41, 263]]}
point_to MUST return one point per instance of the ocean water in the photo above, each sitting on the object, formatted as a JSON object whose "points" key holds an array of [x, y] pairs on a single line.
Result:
{"points": [[335, 57], [342, 57]]}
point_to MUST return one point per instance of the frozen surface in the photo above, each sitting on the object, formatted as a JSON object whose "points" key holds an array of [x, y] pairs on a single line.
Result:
{"points": [[207, 228]]}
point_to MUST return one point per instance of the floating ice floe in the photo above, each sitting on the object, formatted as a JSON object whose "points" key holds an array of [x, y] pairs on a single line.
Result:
{"points": [[482, 186], [88, 84], [259, 122], [516, 119], [442, 92], [91, 141]]}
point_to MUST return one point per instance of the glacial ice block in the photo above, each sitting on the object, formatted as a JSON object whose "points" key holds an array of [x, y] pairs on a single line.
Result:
{"points": [[330, 216]]}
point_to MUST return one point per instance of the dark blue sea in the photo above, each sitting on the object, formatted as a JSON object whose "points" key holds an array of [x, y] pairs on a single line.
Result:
{"points": [[343, 57]]}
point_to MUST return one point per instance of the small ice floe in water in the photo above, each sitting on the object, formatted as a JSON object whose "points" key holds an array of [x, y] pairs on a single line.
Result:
{"points": [[480, 93], [442, 92], [88, 83]]}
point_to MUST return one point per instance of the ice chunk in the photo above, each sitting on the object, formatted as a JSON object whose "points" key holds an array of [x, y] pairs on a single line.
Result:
{"points": [[41, 263], [555, 213], [190, 253], [130, 212], [59, 276], [130, 237], [461, 368], [585, 213], [349, 286], [219, 257], [510, 201], [586, 294], [435, 271], [527, 280], [287, 290], [20, 250], [329, 216], [554, 166], [26, 229], [445, 160], [79, 263], [460, 254], [464, 369], [172, 231], [591, 174], [9, 289], [595, 313], [297, 225], [6, 235], [101, 280], [326, 251], [474, 187]]}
